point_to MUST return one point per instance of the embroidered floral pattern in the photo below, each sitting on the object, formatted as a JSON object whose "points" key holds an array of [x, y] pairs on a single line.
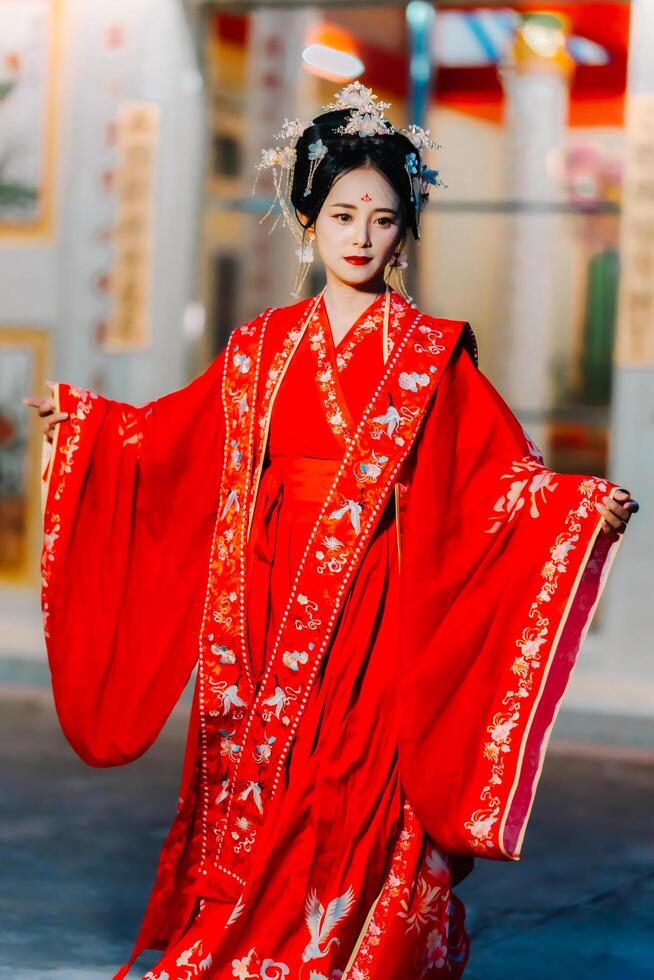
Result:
{"points": [[397, 883], [534, 481], [417, 894], [129, 428], [225, 681], [422, 908], [325, 372], [278, 363], [517, 702], [325, 377], [371, 323], [192, 963], [267, 969], [61, 468]]}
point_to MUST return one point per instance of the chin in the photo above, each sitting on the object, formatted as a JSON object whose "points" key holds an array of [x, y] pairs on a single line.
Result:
{"points": [[358, 275]]}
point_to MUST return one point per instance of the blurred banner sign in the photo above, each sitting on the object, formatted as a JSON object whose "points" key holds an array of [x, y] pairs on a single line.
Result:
{"points": [[130, 278]]}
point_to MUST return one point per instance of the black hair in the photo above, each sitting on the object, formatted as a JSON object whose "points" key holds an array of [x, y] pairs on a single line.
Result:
{"points": [[386, 153]]}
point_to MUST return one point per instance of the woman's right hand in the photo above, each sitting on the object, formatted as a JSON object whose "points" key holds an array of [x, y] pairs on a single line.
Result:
{"points": [[46, 409]]}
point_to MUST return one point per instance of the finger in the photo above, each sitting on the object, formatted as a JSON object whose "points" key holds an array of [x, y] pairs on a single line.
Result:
{"points": [[621, 494], [633, 506], [33, 400], [611, 521], [617, 508], [46, 407], [55, 420]]}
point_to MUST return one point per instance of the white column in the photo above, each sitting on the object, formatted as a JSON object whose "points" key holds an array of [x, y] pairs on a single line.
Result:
{"points": [[112, 53], [278, 87], [115, 53], [619, 673], [535, 79]]}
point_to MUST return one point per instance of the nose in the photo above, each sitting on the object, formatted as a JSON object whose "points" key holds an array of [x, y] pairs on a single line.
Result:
{"points": [[361, 235]]}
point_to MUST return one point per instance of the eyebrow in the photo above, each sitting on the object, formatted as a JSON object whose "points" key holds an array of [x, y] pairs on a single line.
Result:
{"points": [[353, 207]]}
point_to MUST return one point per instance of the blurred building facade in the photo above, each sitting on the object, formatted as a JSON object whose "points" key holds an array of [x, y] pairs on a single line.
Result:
{"points": [[156, 251]]}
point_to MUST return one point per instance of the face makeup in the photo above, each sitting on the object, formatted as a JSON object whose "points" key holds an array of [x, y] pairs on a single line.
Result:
{"points": [[358, 227]]}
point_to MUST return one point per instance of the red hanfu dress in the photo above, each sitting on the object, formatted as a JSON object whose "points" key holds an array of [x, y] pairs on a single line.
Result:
{"points": [[396, 592]]}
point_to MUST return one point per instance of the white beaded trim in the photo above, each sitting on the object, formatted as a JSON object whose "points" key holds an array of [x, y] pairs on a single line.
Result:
{"points": [[204, 781], [371, 522]]}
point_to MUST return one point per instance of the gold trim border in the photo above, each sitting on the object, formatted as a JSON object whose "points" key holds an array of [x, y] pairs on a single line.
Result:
{"points": [[546, 737]]}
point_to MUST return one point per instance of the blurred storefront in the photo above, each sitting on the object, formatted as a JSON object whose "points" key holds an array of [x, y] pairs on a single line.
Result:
{"points": [[147, 251]]}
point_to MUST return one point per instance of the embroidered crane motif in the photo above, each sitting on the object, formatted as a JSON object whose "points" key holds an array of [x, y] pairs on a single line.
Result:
{"points": [[237, 911], [231, 502], [224, 791], [354, 510], [278, 700], [391, 419], [254, 789], [231, 699], [321, 923]]}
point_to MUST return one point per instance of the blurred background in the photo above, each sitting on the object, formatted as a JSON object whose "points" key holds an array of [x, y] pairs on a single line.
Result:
{"points": [[130, 247]]}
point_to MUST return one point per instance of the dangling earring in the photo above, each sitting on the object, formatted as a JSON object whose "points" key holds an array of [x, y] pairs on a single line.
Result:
{"points": [[398, 264], [305, 258]]}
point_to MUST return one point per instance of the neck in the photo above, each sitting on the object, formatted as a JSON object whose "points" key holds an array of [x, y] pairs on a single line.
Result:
{"points": [[344, 298]]}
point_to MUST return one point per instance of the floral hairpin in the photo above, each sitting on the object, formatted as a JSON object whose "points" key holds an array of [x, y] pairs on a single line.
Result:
{"points": [[421, 138], [366, 112], [317, 152], [421, 178]]}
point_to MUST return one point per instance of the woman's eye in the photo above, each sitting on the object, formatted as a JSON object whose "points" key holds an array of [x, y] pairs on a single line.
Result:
{"points": [[341, 216], [387, 220]]}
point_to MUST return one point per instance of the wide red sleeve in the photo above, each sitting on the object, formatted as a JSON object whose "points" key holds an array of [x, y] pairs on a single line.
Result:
{"points": [[503, 562], [130, 498]]}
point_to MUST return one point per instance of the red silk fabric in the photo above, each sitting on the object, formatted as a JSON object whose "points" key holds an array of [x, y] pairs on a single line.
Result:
{"points": [[422, 739]]}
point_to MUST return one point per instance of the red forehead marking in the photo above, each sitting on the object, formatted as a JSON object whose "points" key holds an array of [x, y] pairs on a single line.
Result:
{"points": [[366, 197]]}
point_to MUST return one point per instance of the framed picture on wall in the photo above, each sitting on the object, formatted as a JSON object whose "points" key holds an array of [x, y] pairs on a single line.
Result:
{"points": [[24, 356], [29, 85]]}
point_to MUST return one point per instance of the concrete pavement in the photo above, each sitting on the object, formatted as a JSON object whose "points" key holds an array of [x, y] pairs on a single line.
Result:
{"points": [[79, 848]]}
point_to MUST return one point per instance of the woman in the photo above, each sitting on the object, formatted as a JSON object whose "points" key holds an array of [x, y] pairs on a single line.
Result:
{"points": [[389, 589]]}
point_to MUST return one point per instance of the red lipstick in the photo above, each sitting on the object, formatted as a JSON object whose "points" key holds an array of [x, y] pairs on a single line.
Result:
{"points": [[357, 259]]}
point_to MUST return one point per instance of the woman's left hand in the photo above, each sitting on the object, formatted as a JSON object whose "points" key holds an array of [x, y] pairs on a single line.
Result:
{"points": [[617, 510]]}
